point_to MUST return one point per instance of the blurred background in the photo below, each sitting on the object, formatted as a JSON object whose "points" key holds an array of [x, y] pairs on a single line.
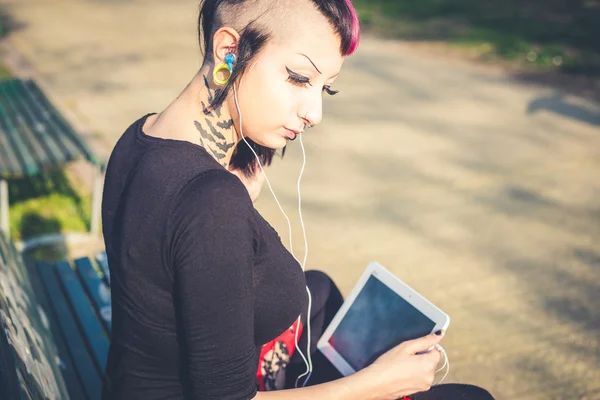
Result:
{"points": [[462, 153]]}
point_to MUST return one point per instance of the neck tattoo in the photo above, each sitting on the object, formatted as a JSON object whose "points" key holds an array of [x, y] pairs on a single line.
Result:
{"points": [[213, 130]]}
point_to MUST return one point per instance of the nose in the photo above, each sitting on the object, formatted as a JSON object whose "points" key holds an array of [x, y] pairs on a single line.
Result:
{"points": [[312, 114]]}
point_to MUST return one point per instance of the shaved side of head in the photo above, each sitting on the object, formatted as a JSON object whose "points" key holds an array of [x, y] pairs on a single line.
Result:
{"points": [[280, 20]]}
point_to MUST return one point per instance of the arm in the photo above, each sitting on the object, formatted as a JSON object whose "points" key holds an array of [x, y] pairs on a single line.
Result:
{"points": [[360, 386], [399, 372], [212, 249]]}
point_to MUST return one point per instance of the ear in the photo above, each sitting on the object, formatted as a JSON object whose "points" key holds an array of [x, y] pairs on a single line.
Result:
{"points": [[224, 39]]}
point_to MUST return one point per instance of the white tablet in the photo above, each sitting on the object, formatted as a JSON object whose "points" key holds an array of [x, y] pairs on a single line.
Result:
{"points": [[380, 313]]}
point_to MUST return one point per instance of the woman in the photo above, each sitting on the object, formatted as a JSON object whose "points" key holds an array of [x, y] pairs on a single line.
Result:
{"points": [[200, 281]]}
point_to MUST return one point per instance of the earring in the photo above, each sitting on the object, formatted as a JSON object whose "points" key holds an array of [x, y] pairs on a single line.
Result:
{"points": [[228, 65]]}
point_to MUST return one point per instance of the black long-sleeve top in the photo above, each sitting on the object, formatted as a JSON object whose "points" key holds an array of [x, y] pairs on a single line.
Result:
{"points": [[199, 279]]}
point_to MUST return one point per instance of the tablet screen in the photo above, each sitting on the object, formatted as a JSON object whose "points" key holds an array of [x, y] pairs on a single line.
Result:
{"points": [[377, 320]]}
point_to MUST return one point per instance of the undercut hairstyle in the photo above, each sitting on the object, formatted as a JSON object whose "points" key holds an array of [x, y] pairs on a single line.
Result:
{"points": [[245, 17]]}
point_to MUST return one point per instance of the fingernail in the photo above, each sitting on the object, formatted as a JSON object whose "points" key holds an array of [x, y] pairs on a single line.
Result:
{"points": [[439, 333]]}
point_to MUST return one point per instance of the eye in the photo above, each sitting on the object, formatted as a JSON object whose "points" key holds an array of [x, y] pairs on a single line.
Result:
{"points": [[297, 79], [329, 91]]}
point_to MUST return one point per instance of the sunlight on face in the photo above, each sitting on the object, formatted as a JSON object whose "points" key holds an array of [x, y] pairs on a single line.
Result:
{"points": [[284, 87]]}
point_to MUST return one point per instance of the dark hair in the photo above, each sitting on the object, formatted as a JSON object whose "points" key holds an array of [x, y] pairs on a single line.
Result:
{"points": [[340, 13]]}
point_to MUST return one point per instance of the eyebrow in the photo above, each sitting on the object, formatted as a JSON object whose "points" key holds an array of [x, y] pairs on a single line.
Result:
{"points": [[311, 62]]}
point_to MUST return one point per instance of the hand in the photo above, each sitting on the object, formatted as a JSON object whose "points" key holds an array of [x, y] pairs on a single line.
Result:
{"points": [[401, 372], [253, 184]]}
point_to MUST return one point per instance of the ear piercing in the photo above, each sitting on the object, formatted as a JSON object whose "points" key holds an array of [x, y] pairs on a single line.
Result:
{"points": [[228, 65]]}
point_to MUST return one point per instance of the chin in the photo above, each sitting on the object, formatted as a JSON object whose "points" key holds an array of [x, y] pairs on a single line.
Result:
{"points": [[275, 142]]}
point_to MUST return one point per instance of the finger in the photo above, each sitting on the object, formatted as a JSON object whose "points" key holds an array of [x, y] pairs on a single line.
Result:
{"points": [[430, 360], [433, 358], [424, 343]]}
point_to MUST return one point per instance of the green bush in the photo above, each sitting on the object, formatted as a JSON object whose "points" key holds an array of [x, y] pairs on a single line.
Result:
{"points": [[47, 204]]}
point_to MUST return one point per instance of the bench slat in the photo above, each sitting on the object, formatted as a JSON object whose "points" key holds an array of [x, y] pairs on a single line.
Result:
{"points": [[97, 290], [73, 382], [8, 159], [10, 256], [33, 151], [86, 368], [34, 136], [4, 248], [94, 332], [43, 132], [35, 91], [55, 130], [25, 164], [102, 260]]}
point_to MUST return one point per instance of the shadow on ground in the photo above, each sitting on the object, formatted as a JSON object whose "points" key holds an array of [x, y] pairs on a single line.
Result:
{"points": [[557, 104], [588, 88]]}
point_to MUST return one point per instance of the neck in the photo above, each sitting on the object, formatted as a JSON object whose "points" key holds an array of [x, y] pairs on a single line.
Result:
{"points": [[198, 122]]}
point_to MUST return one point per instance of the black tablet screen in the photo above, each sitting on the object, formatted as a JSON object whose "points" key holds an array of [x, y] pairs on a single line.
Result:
{"points": [[378, 320]]}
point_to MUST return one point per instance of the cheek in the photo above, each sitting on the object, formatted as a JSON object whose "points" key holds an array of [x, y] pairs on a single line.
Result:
{"points": [[268, 99]]}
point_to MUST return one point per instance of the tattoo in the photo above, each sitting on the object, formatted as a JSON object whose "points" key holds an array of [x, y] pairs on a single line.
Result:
{"points": [[214, 131], [211, 97], [214, 141], [204, 133], [225, 124], [210, 91], [225, 147], [218, 156], [206, 110], [212, 138]]}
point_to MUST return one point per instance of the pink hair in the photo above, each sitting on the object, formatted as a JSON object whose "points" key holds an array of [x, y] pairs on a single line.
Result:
{"points": [[355, 29]]}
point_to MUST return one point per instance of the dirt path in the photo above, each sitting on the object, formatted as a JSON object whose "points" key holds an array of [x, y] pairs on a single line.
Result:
{"points": [[479, 191]]}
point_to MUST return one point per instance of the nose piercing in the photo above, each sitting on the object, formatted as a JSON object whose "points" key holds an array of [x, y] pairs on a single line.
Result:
{"points": [[308, 124]]}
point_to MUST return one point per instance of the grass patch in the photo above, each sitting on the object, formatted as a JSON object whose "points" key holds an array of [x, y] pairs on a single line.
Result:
{"points": [[539, 33], [4, 72], [47, 204]]}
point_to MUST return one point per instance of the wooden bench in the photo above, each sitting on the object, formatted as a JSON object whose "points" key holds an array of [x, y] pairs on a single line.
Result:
{"points": [[34, 137], [56, 319]]}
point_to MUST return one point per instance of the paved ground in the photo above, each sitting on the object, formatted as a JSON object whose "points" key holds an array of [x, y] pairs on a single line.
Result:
{"points": [[482, 193]]}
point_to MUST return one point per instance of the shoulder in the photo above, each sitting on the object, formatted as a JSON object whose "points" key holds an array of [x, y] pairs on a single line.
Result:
{"points": [[215, 184], [211, 210], [214, 194]]}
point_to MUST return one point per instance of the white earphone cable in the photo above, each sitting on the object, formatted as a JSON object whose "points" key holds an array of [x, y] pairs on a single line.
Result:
{"points": [[309, 365], [446, 364], [303, 264]]}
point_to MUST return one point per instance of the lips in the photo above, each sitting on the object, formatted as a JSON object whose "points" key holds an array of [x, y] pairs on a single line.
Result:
{"points": [[291, 134]]}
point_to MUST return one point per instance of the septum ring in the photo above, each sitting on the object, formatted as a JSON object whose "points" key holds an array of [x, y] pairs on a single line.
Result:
{"points": [[308, 125]]}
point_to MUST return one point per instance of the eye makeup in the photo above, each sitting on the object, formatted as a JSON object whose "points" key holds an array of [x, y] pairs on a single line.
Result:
{"points": [[329, 91], [301, 80], [297, 78]]}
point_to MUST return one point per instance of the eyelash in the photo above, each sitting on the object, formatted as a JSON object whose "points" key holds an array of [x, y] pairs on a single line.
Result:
{"points": [[300, 80]]}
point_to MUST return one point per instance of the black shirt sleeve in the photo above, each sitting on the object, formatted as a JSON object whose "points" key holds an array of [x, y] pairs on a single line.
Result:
{"points": [[213, 246]]}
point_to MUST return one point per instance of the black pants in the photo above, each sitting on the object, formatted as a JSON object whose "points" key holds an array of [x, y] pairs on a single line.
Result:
{"points": [[326, 301]]}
